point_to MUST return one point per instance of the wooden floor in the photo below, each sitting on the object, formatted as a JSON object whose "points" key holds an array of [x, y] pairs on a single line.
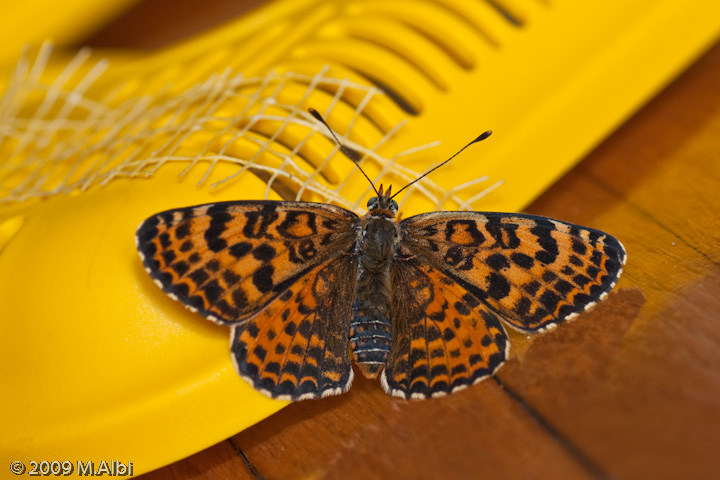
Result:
{"points": [[629, 391]]}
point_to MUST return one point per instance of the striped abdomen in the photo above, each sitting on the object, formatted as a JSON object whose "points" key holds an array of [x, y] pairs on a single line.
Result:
{"points": [[370, 326], [369, 339]]}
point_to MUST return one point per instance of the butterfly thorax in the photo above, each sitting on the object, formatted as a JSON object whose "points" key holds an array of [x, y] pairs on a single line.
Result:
{"points": [[370, 327]]}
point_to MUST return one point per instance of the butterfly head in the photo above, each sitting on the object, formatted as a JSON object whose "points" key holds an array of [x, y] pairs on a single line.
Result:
{"points": [[383, 204]]}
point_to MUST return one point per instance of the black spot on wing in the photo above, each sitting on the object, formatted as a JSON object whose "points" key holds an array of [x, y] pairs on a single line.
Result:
{"points": [[228, 311], [199, 276], [522, 260], [181, 290], [498, 261], [503, 233], [532, 287], [167, 217], [213, 291], [290, 328], [550, 250], [462, 308], [182, 231], [164, 240], [240, 249], [563, 287], [239, 298], [216, 228], [180, 268], [168, 256], [549, 300], [264, 253], [581, 280], [522, 308], [579, 246], [498, 286], [258, 222], [592, 271], [453, 256], [273, 367], [262, 278], [549, 277], [230, 277], [575, 260]]}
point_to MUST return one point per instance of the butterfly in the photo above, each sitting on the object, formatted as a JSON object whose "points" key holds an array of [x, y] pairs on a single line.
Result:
{"points": [[308, 288]]}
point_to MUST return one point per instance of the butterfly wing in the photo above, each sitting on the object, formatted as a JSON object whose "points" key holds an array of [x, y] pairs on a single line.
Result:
{"points": [[228, 260], [267, 268], [476, 268], [297, 347], [443, 338], [533, 271]]}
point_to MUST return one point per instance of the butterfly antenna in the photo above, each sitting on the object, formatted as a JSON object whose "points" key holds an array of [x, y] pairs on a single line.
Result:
{"points": [[344, 149], [478, 139]]}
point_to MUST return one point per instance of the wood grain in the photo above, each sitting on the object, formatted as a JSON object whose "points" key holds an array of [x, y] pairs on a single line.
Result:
{"points": [[629, 390]]}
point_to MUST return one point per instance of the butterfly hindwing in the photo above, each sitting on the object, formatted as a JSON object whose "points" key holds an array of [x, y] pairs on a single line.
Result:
{"points": [[297, 347], [228, 260], [443, 337], [534, 272]]}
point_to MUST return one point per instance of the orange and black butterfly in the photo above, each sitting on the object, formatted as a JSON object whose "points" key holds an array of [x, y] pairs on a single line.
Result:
{"points": [[308, 288]]}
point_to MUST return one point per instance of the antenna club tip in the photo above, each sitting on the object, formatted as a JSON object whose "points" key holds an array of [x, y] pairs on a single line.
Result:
{"points": [[484, 135], [315, 113]]}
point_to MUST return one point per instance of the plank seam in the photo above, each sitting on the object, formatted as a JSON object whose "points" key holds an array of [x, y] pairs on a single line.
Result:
{"points": [[251, 468], [592, 468]]}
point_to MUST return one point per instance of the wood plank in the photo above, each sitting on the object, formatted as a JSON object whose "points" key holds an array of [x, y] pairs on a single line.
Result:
{"points": [[367, 434]]}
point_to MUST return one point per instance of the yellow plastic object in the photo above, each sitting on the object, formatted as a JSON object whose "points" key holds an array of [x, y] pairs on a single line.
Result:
{"points": [[31, 22], [96, 363], [97, 366]]}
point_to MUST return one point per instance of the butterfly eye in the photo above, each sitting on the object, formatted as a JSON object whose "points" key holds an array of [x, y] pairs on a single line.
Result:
{"points": [[394, 206], [372, 203]]}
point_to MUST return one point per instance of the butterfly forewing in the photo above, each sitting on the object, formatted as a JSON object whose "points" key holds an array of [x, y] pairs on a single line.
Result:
{"points": [[229, 260], [443, 337], [533, 271]]}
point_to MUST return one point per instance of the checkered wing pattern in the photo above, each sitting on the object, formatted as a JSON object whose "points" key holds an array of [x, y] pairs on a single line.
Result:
{"points": [[266, 268], [461, 272]]}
